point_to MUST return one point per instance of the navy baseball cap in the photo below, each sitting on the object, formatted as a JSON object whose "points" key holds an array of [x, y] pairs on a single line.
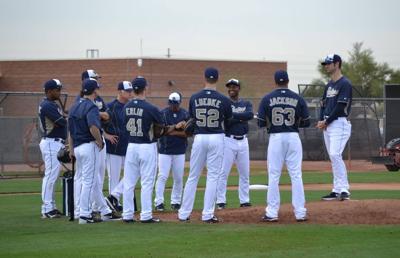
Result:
{"points": [[332, 58], [281, 76], [211, 73], [175, 98], [232, 81], [52, 84], [125, 86], [90, 74], [89, 85], [139, 83]]}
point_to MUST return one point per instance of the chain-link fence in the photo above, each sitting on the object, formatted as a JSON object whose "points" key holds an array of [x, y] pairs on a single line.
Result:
{"points": [[19, 137]]}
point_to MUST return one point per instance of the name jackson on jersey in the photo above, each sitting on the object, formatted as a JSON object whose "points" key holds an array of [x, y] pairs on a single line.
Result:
{"points": [[283, 100]]}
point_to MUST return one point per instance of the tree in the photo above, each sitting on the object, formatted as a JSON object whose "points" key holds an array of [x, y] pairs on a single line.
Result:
{"points": [[366, 75]]}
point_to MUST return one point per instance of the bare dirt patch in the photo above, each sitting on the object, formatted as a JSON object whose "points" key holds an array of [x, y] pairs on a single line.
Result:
{"points": [[369, 212]]}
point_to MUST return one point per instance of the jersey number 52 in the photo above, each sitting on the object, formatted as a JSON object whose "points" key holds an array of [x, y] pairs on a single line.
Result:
{"points": [[282, 116], [207, 118]]}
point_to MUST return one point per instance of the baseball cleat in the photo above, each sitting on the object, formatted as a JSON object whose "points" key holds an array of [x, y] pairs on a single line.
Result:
{"points": [[51, 215], [88, 220], [128, 221], [184, 220], [160, 207], [212, 220], [152, 220], [175, 206], [330, 197], [246, 204], [344, 196], [112, 202], [221, 206], [111, 216], [303, 219], [269, 219]]}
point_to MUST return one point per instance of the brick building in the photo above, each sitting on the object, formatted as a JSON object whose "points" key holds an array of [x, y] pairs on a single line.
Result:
{"points": [[163, 75]]}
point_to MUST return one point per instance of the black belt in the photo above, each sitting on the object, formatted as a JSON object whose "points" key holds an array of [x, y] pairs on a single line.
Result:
{"points": [[236, 137], [55, 139]]}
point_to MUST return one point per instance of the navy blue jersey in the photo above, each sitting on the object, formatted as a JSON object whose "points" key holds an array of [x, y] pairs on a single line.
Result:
{"points": [[98, 101], [280, 111], [336, 92], [82, 116], [173, 145], [210, 109], [139, 119], [52, 122], [242, 111], [117, 127]]}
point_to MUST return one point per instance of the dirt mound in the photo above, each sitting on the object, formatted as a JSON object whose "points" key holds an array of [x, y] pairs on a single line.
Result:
{"points": [[322, 212]]}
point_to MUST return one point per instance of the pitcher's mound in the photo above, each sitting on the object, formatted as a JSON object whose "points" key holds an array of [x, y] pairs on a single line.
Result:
{"points": [[321, 212]]}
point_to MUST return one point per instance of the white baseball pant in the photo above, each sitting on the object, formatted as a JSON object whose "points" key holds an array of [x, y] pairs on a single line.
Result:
{"points": [[176, 163], [114, 165], [235, 151], [207, 150], [336, 136], [87, 160], [285, 148], [140, 161], [49, 148]]}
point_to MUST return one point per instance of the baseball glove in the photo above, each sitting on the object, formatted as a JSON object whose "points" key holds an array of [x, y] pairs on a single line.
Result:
{"points": [[63, 156]]}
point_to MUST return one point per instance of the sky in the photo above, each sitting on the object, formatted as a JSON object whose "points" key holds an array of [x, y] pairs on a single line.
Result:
{"points": [[298, 32]]}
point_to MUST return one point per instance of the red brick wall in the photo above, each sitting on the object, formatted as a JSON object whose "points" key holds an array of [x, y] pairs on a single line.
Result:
{"points": [[256, 77], [29, 76]]}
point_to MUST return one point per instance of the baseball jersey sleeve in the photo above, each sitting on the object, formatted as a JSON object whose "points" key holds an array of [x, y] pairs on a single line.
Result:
{"points": [[93, 117], [262, 113], [304, 114], [345, 93], [245, 116], [52, 112]]}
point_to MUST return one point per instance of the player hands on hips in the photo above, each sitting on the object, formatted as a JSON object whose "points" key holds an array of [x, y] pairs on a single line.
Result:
{"points": [[283, 111], [86, 141], [236, 146], [53, 127], [335, 108], [209, 109], [171, 155]]}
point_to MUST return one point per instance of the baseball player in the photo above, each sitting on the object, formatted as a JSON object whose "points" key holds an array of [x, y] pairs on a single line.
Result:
{"points": [[171, 154], [335, 108], [282, 111], [85, 137], [116, 150], [141, 156], [99, 201], [53, 126], [209, 109], [236, 146]]}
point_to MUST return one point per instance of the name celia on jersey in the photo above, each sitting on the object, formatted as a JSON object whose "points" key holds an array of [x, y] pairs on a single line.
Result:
{"points": [[207, 102], [283, 100], [134, 111]]}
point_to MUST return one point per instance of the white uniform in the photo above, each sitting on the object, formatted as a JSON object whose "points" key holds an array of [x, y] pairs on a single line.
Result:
{"points": [[284, 109], [210, 109]]}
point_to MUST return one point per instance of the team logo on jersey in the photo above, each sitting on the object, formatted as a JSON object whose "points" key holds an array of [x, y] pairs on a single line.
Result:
{"points": [[99, 104], [238, 109], [331, 92]]}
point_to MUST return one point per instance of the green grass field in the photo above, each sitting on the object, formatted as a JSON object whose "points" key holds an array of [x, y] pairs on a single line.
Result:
{"points": [[24, 234]]}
